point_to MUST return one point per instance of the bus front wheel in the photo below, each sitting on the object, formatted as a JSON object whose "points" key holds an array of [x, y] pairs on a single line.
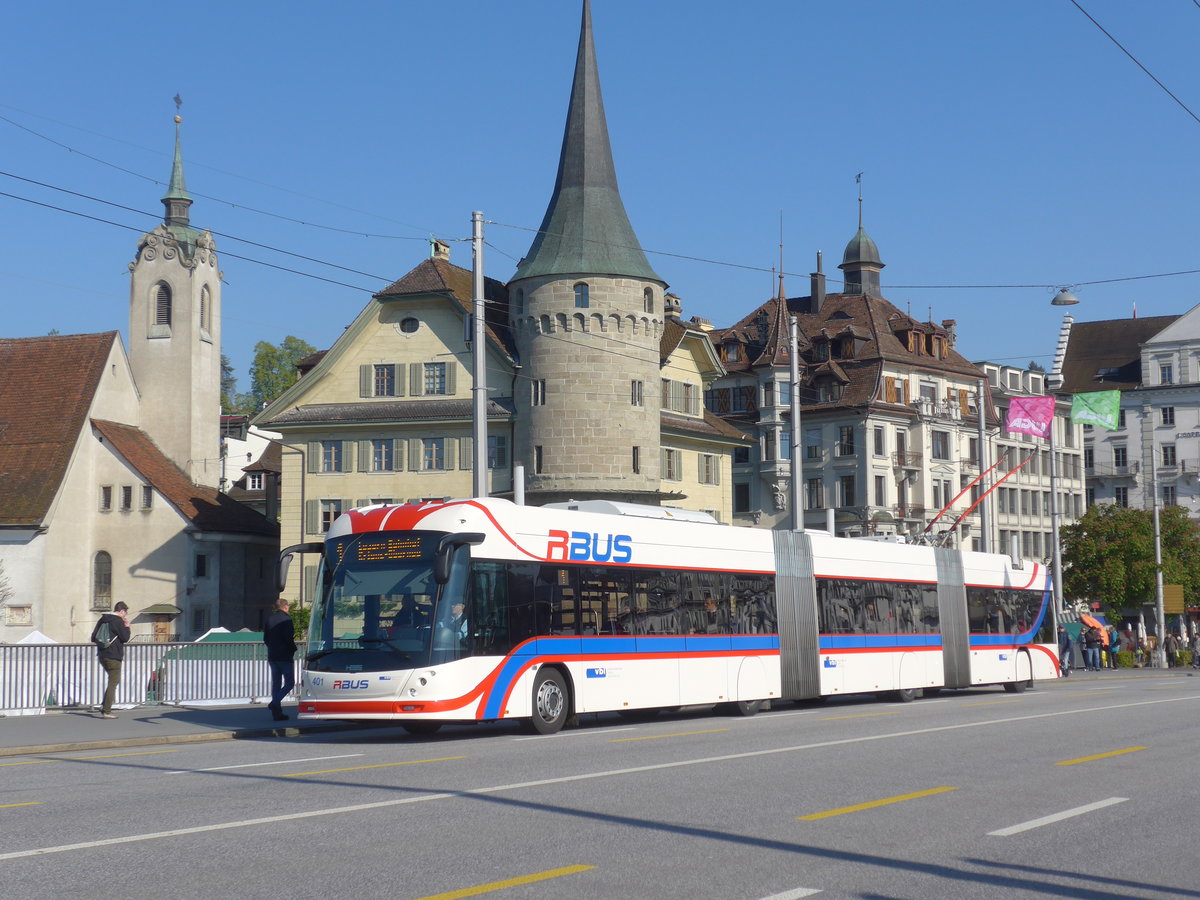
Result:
{"points": [[550, 707]]}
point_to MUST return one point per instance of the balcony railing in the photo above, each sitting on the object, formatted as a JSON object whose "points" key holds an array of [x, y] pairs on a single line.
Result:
{"points": [[910, 511], [907, 459]]}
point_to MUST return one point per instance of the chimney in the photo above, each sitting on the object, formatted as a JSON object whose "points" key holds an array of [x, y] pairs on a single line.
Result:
{"points": [[439, 249], [817, 287], [951, 335], [672, 306]]}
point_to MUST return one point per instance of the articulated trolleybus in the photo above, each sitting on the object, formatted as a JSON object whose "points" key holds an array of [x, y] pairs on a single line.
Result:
{"points": [[478, 610]]}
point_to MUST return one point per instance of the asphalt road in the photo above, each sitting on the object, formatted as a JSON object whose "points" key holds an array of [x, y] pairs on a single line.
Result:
{"points": [[1080, 788]]}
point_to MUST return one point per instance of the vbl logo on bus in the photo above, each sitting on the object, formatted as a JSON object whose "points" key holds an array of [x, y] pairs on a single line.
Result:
{"points": [[582, 546]]}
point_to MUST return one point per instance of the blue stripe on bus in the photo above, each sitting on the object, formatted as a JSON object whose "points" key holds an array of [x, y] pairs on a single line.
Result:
{"points": [[565, 647], [878, 641]]}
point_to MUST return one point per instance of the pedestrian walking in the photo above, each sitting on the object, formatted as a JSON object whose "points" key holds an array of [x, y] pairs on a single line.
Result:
{"points": [[279, 634], [110, 636], [1064, 651], [1091, 648]]}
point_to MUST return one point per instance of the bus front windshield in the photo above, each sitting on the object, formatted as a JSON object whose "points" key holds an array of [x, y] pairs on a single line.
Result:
{"points": [[377, 609]]}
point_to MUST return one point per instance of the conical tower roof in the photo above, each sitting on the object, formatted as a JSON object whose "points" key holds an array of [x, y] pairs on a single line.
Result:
{"points": [[586, 230]]}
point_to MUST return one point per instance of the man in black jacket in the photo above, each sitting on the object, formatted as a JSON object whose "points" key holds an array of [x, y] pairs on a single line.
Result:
{"points": [[279, 634], [111, 651]]}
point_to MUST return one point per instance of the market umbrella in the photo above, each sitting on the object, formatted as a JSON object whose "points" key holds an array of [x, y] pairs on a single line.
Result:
{"points": [[1093, 622]]}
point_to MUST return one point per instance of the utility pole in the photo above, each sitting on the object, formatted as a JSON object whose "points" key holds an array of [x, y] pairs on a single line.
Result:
{"points": [[479, 430]]}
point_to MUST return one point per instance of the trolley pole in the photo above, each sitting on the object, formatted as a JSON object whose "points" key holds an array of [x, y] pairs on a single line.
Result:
{"points": [[479, 431]]}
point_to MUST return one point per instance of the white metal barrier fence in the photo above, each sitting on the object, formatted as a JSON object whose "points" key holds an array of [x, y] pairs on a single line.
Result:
{"points": [[36, 677]]}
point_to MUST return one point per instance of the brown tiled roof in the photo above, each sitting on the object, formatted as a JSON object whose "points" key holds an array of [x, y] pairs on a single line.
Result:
{"points": [[711, 426], [207, 508], [384, 411], [271, 459], [439, 276], [47, 387], [1114, 344]]}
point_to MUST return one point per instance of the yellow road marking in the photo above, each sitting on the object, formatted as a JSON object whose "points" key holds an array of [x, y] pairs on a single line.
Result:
{"points": [[994, 702], [11, 805], [856, 716], [38, 762], [411, 762], [509, 882], [1083, 759], [874, 803], [116, 755], [654, 737]]}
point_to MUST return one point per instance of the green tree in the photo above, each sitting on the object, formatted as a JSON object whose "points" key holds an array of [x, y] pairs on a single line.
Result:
{"points": [[229, 395], [1108, 555], [274, 369], [1035, 366], [300, 615]]}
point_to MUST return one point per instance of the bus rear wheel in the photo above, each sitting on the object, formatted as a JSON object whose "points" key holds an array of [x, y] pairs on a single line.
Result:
{"points": [[550, 706]]}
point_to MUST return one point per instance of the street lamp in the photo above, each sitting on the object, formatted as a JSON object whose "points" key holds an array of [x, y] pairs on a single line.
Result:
{"points": [[1054, 383]]}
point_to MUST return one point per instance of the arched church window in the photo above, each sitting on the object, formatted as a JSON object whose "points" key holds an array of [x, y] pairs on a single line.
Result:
{"points": [[102, 581], [162, 305], [205, 311], [581, 296]]}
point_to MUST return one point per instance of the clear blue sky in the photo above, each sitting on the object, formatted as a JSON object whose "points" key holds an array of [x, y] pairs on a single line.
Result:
{"points": [[1002, 143]]}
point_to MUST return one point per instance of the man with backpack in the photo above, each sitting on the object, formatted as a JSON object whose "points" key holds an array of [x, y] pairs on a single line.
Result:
{"points": [[110, 636]]}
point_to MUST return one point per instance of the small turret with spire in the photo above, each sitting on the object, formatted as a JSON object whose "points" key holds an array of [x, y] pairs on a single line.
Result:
{"points": [[861, 261]]}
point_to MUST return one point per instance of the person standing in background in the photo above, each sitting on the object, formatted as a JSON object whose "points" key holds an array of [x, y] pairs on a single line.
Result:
{"points": [[110, 651], [1064, 651], [279, 634]]}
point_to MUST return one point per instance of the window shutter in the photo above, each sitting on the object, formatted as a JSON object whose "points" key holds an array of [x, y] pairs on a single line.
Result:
{"points": [[312, 516], [662, 462], [415, 460], [451, 372], [310, 583], [398, 445], [717, 469], [366, 381], [347, 456], [889, 389], [398, 378], [415, 374], [359, 504], [907, 393], [364, 456], [963, 402], [466, 447], [449, 444], [314, 456]]}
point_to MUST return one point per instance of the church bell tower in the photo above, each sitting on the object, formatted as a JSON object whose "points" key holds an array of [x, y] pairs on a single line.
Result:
{"points": [[175, 335]]}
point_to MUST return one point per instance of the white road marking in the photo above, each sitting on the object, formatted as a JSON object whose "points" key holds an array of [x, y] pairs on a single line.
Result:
{"points": [[278, 762], [794, 894], [566, 734], [1057, 817], [568, 779]]}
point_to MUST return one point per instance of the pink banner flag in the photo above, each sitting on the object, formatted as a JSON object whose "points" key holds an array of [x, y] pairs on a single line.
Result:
{"points": [[1030, 415]]}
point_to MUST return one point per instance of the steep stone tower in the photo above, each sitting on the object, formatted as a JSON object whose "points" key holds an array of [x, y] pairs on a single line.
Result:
{"points": [[586, 311], [175, 335]]}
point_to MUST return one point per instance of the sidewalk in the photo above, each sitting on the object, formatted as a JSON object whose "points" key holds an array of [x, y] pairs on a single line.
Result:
{"points": [[78, 729]]}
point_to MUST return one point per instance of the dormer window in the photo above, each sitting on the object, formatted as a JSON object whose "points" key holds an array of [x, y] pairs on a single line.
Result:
{"points": [[732, 353], [821, 350]]}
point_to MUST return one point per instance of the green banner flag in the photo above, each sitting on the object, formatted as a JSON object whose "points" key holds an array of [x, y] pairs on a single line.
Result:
{"points": [[1097, 408]]}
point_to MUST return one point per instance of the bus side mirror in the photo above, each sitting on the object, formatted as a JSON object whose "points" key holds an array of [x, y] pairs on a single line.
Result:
{"points": [[285, 561], [445, 550]]}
